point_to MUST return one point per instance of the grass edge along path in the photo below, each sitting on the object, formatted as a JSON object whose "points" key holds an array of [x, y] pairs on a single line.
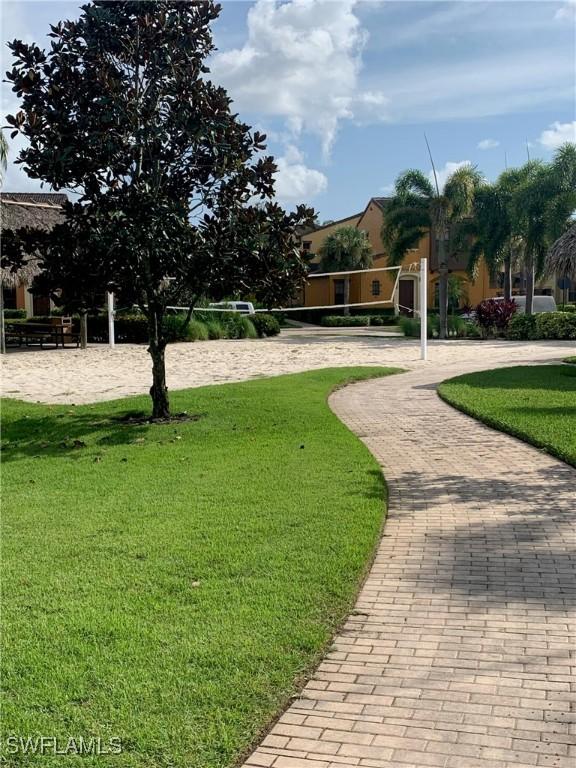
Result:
{"points": [[570, 360], [535, 403], [172, 585]]}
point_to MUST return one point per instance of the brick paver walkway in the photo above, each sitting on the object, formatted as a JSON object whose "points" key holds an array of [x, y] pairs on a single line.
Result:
{"points": [[457, 653]]}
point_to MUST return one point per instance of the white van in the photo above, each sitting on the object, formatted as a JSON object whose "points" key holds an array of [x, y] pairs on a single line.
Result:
{"points": [[244, 307], [539, 304]]}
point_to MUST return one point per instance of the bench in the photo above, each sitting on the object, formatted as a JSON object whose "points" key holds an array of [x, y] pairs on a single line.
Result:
{"points": [[57, 333]]}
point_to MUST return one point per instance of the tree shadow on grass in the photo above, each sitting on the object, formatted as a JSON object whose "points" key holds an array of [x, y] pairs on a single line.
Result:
{"points": [[59, 434]]}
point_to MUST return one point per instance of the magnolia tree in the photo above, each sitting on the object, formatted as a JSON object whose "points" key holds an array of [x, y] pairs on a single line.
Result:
{"points": [[176, 187]]}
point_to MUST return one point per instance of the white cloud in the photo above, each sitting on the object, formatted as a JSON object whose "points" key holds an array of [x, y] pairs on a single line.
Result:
{"points": [[567, 11], [442, 174], [488, 144], [301, 62], [295, 182], [387, 189], [557, 134]]}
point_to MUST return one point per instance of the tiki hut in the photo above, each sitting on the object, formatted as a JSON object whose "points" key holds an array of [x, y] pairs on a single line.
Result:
{"points": [[33, 210], [561, 258]]}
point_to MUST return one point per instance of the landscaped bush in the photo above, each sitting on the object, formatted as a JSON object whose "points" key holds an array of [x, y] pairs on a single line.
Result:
{"points": [[238, 326], [265, 324], [545, 325], [344, 321], [494, 316], [522, 327], [14, 314], [383, 320], [556, 325], [457, 327], [567, 308], [354, 321], [215, 330]]}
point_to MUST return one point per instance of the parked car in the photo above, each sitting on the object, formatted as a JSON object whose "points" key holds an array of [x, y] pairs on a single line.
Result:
{"points": [[539, 304], [244, 307]]}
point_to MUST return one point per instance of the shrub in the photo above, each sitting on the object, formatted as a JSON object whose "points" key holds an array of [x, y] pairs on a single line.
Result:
{"points": [[522, 327], [383, 320], [457, 327], [265, 324], [238, 326], [556, 325], [14, 314], [215, 330], [344, 321], [494, 316]]}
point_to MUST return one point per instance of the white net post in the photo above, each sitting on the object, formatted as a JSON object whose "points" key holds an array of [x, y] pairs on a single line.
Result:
{"points": [[423, 309], [111, 339]]}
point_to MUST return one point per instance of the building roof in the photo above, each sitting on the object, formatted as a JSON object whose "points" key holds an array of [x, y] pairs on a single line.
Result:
{"points": [[36, 210]]}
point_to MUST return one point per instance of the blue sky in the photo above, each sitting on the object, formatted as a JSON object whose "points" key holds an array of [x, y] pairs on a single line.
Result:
{"points": [[346, 89]]}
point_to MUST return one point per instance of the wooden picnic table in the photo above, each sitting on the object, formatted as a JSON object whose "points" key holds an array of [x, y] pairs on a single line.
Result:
{"points": [[41, 333]]}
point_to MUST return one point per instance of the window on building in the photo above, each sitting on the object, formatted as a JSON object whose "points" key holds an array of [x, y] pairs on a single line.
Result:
{"points": [[307, 246], [338, 291], [375, 287], [9, 298]]}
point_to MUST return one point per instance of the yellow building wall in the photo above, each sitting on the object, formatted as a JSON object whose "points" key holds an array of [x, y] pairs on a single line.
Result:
{"points": [[320, 291]]}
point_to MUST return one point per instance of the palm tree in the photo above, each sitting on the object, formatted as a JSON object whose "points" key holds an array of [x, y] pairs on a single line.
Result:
{"points": [[541, 208], [345, 249], [419, 207]]}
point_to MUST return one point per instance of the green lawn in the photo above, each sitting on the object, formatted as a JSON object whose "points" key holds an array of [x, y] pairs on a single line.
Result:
{"points": [[172, 585], [571, 360], [535, 403]]}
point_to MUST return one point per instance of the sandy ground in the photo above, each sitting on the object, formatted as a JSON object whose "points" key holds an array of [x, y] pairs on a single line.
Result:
{"points": [[99, 373]]}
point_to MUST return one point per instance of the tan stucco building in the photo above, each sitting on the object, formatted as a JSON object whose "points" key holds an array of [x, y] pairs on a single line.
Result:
{"points": [[378, 286]]}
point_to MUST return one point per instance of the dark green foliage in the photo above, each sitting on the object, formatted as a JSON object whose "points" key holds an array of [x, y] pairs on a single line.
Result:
{"points": [[522, 326], [493, 317], [14, 314], [545, 325], [265, 324], [352, 321], [121, 109], [457, 327], [535, 403]]}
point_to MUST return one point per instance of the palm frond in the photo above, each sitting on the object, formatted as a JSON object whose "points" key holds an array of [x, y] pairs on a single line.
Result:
{"points": [[414, 182]]}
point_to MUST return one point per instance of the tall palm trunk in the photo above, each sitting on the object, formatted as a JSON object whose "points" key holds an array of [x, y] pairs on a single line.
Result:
{"points": [[508, 278], [346, 296], [529, 271], [443, 286]]}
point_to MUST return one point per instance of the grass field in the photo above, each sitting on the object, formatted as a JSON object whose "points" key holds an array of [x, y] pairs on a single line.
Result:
{"points": [[171, 585], [571, 360], [535, 403]]}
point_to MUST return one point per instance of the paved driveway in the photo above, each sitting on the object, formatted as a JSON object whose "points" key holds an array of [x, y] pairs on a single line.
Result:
{"points": [[457, 652]]}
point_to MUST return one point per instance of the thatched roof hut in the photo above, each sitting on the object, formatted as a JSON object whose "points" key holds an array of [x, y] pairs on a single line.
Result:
{"points": [[561, 258], [35, 210]]}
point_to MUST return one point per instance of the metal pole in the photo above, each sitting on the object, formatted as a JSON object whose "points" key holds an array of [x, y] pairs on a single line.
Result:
{"points": [[423, 309], [111, 320]]}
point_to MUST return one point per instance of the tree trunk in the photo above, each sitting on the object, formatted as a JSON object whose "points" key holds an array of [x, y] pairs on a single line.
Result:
{"points": [[83, 330], [529, 284], [508, 278], [443, 286], [346, 296], [2, 327], [157, 349]]}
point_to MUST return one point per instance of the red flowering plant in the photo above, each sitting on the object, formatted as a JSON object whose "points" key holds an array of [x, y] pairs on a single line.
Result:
{"points": [[493, 315]]}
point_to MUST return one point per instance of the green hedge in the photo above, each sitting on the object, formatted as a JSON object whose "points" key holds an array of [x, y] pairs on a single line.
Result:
{"points": [[14, 314], [545, 325], [265, 324], [354, 321], [457, 327]]}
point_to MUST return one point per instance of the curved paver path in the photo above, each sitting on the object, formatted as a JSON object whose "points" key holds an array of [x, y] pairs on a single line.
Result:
{"points": [[457, 653]]}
